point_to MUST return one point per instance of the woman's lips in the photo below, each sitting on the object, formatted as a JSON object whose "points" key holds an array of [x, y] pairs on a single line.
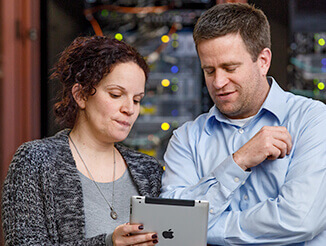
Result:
{"points": [[123, 123]]}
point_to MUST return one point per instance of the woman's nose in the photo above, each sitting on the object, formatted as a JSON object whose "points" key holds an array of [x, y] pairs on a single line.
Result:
{"points": [[128, 107]]}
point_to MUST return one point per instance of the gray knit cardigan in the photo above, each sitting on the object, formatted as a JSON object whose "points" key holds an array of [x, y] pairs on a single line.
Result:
{"points": [[42, 200]]}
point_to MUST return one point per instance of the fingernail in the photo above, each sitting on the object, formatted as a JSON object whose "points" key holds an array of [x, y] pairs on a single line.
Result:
{"points": [[155, 241], [141, 227], [154, 236]]}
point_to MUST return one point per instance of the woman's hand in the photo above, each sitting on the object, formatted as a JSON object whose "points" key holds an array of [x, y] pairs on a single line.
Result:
{"points": [[122, 236]]}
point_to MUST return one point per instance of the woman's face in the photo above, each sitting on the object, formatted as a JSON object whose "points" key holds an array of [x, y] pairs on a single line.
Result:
{"points": [[111, 112]]}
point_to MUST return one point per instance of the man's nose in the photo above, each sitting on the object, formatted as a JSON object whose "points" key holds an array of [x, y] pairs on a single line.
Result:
{"points": [[220, 79]]}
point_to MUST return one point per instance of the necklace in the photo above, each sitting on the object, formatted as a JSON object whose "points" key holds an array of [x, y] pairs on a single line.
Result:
{"points": [[113, 213]]}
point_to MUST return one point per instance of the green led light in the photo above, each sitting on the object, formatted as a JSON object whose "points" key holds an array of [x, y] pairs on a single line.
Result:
{"points": [[174, 88], [316, 92], [316, 81], [105, 13], [174, 80], [118, 36], [175, 124], [174, 36], [175, 44], [321, 86]]}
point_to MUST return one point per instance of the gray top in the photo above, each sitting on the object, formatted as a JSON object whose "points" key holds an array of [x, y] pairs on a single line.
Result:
{"points": [[97, 212]]}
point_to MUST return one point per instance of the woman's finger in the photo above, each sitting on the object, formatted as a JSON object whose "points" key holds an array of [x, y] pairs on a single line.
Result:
{"points": [[126, 229], [142, 239]]}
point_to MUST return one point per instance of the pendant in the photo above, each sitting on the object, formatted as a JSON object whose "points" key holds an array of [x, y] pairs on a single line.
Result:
{"points": [[114, 215]]}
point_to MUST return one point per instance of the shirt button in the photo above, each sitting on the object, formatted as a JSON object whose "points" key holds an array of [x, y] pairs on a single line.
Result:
{"points": [[241, 130], [211, 210], [236, 179], [245, 197]]}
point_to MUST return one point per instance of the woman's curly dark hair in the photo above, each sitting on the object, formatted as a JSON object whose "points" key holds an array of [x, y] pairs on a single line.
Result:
{"points": [[87, 60]]}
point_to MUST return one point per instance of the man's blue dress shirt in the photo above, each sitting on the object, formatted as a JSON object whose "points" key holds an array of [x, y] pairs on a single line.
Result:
{"points": [[280, 202]]}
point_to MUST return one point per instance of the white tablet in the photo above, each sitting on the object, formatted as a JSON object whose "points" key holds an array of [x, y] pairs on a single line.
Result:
{"points": [[176, 222]]}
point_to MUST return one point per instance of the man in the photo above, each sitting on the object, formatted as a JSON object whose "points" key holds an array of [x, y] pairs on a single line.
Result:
{"points": [[259, 155]]}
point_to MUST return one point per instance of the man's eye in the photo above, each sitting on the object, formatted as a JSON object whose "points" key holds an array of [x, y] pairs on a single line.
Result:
{"points": [[230, 69], [209, 71]]}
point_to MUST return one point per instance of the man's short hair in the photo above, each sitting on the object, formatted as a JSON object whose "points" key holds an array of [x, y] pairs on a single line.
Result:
{"points": [[232, 18]]}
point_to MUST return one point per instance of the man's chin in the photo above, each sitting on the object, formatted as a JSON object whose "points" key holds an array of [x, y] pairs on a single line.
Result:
{"points": [[229, 112]]}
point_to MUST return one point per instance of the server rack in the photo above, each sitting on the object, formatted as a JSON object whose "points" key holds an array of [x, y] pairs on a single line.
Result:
{"points": [[162, 32], [307, 48]]}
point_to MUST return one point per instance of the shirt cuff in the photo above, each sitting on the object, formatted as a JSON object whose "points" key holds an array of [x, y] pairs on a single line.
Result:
{"points": [[108, 240], [230, 175]]}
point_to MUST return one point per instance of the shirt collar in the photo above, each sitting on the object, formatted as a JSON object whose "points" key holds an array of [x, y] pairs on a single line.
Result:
{"points": [[273, 103], [213, 115]]}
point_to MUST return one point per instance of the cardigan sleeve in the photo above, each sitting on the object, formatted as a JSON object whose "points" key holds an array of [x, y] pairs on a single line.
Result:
{"points": [[28, 214]]}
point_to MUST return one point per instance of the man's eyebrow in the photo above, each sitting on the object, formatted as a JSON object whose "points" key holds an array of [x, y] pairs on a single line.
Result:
{"points": [[231, 64], [206, 67], [225, 64]]}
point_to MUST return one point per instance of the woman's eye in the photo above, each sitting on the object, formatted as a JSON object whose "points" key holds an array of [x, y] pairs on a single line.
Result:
{"points": [[137, 101], [114, 95]]}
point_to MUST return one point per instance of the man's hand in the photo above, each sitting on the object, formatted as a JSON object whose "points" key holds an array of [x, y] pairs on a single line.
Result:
{"points": [[271, 142]]}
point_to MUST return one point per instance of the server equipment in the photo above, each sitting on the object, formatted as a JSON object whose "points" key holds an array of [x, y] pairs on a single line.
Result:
{"points": [[307, 59], [162, 32]]}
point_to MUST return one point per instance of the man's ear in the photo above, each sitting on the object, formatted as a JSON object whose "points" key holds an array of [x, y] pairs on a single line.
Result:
{"points": [[78, 95], [264, 60]]}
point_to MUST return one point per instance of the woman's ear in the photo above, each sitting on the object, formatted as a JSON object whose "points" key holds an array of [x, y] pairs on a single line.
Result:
{"points": [[78, 95]]}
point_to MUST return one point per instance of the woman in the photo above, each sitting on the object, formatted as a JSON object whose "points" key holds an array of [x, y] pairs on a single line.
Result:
{"points": [[74, 188]]}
